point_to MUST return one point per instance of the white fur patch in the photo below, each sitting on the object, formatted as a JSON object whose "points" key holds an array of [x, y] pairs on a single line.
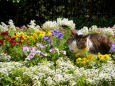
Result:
{"points": [[89, 43], [73, 46]]}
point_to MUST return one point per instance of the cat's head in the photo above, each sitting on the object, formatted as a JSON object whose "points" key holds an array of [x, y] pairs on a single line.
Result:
{"points": [[76, 41]]}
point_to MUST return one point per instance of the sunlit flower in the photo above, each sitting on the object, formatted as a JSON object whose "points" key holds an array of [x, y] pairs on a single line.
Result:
{"points": [[78, 60]]}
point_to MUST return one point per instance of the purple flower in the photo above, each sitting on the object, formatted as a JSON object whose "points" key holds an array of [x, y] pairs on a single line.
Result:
{"points": [[49, 37], [38, 44], [31, 55], [59, 35], [38, 52], [113, 48], [33, 48], [41, 45], [54, 50], [53, 33], [25, 48], [63, 52], [56, 31], [44, 54], [50, 41]]}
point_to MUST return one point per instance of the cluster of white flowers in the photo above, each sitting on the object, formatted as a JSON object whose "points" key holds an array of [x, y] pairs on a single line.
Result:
{"points": [[6, 68], [60, 23], [3, 27], [94, 29], [10, 26], [50, 25], [65, 72], [33, 26], [83, 30], [4, 57], [65, 22]]}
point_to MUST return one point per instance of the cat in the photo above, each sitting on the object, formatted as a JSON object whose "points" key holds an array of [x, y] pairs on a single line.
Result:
{"points": [[95, 43]]}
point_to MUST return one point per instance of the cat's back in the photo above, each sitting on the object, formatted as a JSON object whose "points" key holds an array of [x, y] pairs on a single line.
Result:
{"points": [[101, 43]]}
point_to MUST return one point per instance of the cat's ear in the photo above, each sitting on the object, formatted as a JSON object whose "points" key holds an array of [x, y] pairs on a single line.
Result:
{"points": [[73, 32]]}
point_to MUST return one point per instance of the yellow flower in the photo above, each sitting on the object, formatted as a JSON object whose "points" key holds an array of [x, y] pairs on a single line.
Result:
{"points": [[90, 57], [49, 33], [28, 37], [24, 37], [38, 32], [35, 36], [77, 54], [78, 60], [103, 57], [107, 56], [31, 37], [84, 62], [22, 34], [85, 59], [86, 49], [42, 35]]}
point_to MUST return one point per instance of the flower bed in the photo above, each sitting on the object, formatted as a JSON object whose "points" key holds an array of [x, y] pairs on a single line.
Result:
{"points": [[34, 55]]}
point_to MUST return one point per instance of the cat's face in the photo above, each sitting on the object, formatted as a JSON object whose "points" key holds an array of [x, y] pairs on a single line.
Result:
{"points": [[76, 42]]}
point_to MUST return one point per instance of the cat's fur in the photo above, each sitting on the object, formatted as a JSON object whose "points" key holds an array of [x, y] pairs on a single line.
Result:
{"points": [[95, 43]]}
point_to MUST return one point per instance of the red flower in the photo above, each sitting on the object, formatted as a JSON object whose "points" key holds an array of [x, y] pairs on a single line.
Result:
{"points": [[7, 39], [12, 38], [1, 42], [12, 42], [15, 34], [19, 42], [20, 37], [4, 34]]}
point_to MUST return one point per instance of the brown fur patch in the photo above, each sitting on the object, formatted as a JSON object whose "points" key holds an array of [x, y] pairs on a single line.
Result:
{"points": [[101, 43]]}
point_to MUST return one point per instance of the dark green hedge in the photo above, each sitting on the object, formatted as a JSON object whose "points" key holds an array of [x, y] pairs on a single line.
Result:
{"points": [[82, 12]]}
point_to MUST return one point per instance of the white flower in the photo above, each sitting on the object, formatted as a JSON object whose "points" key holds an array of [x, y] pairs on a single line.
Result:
{"points": [[83, 30], [3, 27], [93, 29], [33, 25], [72, 83], [50, 25], [58, 78], [4, 57], [37, 83], [11, 25], [90, 81], [65, 22], [49, 81]]}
